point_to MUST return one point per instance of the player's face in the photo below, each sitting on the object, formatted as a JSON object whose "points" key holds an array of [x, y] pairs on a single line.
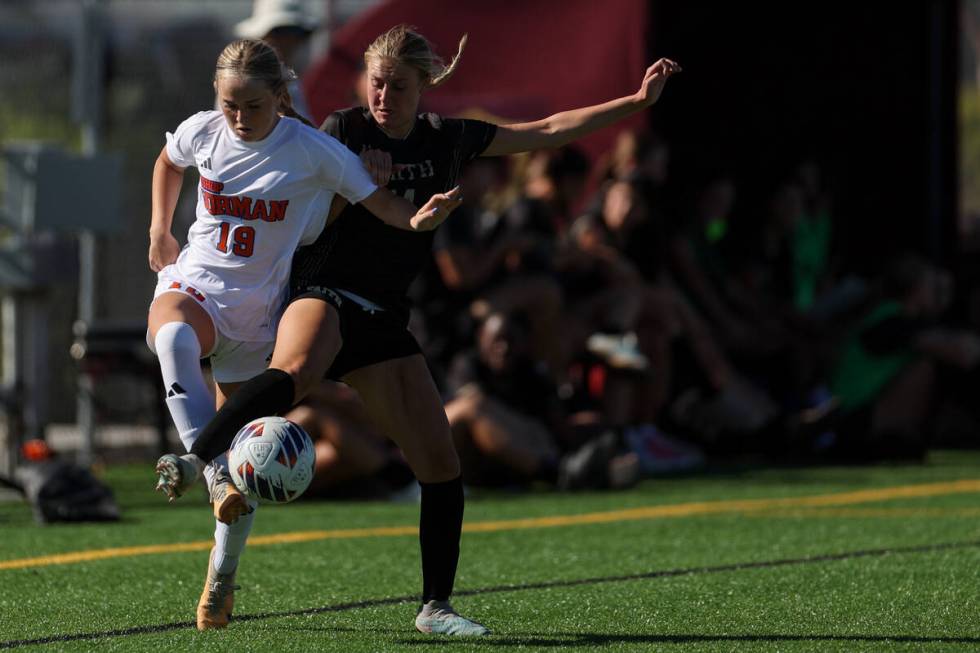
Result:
{"points": [[393, 93], [249, 106]]}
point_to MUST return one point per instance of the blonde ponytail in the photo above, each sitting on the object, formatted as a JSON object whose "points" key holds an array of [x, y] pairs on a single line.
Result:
{"points": [[403, 44], [447, 71]]}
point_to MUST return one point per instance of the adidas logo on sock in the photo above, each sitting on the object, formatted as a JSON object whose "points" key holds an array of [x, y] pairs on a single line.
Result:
{"points": [[175, 390]]}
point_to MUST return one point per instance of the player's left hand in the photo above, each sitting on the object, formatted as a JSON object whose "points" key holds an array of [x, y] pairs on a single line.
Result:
{"points": [[655, 79], [378, 164], [164, 249], [436, 210]]}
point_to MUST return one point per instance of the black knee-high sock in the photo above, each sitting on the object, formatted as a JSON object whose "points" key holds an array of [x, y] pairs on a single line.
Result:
{"points": [[440, 525], [269, 393]]}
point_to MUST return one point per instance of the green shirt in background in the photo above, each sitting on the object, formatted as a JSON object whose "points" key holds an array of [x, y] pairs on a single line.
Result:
{"points": [[811, 252], [860, 375]]}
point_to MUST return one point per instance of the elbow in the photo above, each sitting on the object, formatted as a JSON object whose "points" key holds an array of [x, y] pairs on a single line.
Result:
{"points": [[553, 135], [166, 165]]}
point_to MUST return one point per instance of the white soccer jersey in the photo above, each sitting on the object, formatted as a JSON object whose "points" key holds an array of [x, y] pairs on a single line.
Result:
{"points": [[256, 203]]}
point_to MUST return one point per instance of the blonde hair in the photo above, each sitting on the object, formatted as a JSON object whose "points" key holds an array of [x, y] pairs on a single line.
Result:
{"points": [[254, 59], [404, 45]]}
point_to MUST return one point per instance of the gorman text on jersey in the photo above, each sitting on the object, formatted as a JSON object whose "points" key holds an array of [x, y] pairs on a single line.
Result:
{"points": [[240, 206]]}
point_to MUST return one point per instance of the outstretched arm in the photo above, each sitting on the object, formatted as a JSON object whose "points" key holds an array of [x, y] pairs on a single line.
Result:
{"points": [[399, 212], [167, 180], [567, 126]]}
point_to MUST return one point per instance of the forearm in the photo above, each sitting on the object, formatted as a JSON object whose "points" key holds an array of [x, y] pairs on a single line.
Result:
{"points": [[567, 126], [391, 209], [167, 181], [562, 128]]}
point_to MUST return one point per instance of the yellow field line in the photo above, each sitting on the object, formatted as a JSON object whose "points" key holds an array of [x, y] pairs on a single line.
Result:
{"points": [[810, 513], [632, 514]]}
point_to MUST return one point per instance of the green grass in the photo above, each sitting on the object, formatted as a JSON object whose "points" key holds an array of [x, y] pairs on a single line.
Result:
{"points": [[874, 576]]}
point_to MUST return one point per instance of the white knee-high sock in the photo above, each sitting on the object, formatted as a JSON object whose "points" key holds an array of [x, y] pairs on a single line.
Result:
{"points": [[191, 406], [229, 541], [189, 400]]}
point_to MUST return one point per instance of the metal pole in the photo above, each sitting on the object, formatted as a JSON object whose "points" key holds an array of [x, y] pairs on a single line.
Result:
{"points": [[11, 381], [88, 96]]}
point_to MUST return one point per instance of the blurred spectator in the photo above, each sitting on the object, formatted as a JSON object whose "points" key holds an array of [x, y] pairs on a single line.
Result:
{"points": [[509, 424], [689, 369], [352, 458], [823, 288], [477, 270], [735, 271], [553, 181], [792, 259], [286, 25], [696, 253], [887, 373]]}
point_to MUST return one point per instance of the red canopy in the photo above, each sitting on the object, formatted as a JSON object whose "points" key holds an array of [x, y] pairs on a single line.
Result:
{"points": [[525, 59]]}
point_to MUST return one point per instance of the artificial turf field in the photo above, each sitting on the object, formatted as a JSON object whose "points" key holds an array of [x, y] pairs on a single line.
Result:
{"points": [[883, 558]]}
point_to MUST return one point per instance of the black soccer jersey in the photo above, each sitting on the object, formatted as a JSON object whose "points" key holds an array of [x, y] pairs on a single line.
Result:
{"points": [[359, 252]]}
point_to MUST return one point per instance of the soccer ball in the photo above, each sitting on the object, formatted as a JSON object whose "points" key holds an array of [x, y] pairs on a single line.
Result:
{"points": [[271, 460]]}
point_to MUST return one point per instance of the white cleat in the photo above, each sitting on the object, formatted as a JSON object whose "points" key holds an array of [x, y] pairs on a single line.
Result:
{"points": [[178, 473], [438, 617]]}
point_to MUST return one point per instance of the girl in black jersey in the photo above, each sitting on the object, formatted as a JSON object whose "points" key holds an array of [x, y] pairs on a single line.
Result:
{"points": [[348, 315]]}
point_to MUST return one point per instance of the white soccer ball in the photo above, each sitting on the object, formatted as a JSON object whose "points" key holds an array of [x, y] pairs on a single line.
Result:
{"points": [[271, 460]]}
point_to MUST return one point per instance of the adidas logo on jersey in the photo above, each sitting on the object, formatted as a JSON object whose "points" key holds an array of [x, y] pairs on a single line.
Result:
{"points": [[175, 390], [206, 164]]}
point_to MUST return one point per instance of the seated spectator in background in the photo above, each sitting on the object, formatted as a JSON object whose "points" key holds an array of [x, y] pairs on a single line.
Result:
{"points": [[689, 369], [888, 369], [352, 457], [698, 264], [552, 182], [640, 156], [722, 265], [509, 424], [635, 154], [791, 261], [823, 289], [478, 269], [812, 233]]}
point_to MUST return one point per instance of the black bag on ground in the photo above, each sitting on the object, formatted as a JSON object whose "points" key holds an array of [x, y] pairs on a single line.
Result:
{"points": [[62, 492]]}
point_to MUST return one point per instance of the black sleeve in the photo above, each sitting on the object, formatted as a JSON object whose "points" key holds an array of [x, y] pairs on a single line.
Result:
{"points": [[334, 125], [891, 335], [338, 125], [475, 137]]}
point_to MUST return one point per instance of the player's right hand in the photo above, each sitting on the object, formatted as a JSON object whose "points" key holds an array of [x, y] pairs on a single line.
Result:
{"points": [[164, 249], [654, 80], [436, 210], [378, 164]]}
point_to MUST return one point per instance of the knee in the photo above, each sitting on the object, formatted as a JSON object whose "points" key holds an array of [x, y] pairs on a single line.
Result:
{"points": [[176, 338], [440, 463], [445, 465], [307, 369], [305, 375]]}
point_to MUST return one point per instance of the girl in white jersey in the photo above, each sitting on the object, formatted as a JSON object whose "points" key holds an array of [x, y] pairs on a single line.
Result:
{"points": [[266, 184]]}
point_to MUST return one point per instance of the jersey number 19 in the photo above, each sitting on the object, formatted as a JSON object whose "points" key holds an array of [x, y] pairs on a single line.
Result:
{"points": [[242, 237]]}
